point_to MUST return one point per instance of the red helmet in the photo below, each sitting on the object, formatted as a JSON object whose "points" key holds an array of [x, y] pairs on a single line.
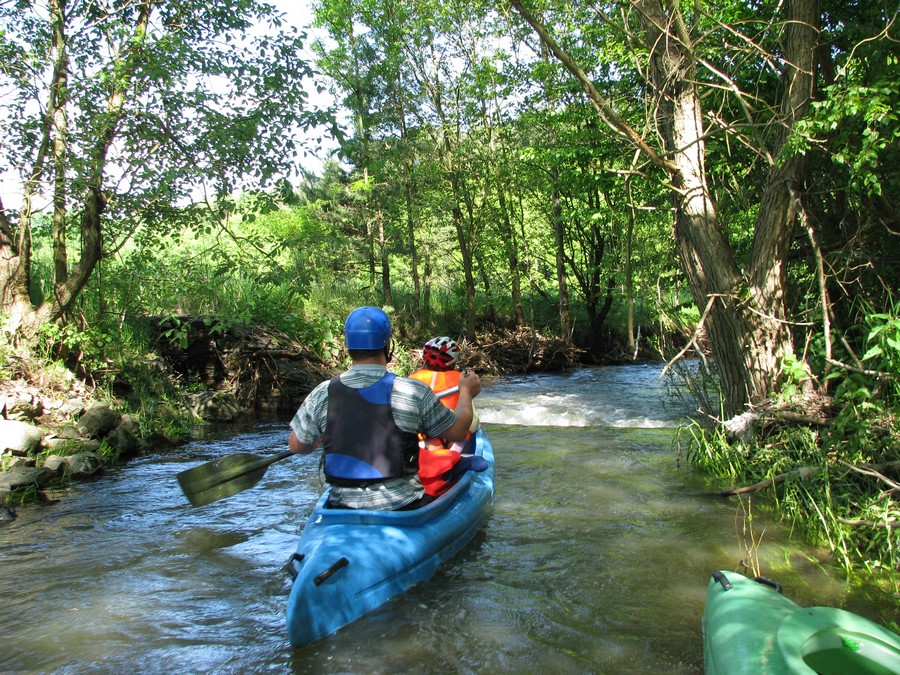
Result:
{"points": [[440, 353]]}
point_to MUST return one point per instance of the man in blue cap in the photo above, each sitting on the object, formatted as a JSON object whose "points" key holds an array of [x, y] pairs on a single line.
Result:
{"points": [[367, 421]]}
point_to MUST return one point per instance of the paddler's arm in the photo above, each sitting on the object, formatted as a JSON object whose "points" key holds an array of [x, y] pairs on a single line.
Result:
{"points": [[469, 387], [299, 447], [305, 423]]}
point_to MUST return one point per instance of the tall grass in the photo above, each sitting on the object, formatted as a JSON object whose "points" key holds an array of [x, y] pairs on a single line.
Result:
{"points": [[850, 501]]}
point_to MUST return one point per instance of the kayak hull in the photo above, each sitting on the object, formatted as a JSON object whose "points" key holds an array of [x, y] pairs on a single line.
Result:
{"points": [[749, 627], [349, 562]]}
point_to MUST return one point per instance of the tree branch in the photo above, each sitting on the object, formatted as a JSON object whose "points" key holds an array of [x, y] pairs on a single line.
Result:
{"points": [[803, 473], [606, 111]]}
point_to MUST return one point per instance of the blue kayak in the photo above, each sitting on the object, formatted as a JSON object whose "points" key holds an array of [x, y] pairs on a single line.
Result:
{"points": [[349, 562], [750, 628]]}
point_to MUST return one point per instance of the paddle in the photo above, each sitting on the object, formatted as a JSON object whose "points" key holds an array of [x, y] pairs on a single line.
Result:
{"points": [[225, 476], [231, 474]]}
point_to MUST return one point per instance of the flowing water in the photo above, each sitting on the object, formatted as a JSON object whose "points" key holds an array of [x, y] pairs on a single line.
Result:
{"points": [[594, 560]]}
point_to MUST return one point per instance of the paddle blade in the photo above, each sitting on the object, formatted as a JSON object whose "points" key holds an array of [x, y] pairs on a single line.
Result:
{"points": [[225, 489], [224, 477]]}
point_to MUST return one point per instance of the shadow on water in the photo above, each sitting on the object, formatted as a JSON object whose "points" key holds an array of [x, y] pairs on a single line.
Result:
{"points": [[594, 560]]}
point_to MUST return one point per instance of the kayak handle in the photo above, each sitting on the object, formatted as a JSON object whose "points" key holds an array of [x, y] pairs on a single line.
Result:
{"points": [[343, 562], [770, 583], [289, 565], [722, 579]]}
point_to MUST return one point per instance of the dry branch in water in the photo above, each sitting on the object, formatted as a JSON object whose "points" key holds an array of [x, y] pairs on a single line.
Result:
{"points": [[803, 473], [868, 523], [520, 351]]}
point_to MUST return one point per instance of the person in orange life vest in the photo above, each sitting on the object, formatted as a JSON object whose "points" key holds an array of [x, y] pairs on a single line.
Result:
{"points": [[441, 463]]}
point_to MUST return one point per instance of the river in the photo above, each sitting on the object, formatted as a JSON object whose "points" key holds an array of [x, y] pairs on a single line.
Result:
{"points": [[595, 558]]}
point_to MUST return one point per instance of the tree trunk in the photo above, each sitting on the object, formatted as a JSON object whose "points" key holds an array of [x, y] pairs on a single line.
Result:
{"points": [[426, 288], [14, 298], [465, 253], [629, 243], [56, 109], [462, 238], [413, 249], [445, 143], [775, 221], [409, 190], [746, 319], [705, 254], [565, 319], [386, 290], [512, 256], [505, 225]]}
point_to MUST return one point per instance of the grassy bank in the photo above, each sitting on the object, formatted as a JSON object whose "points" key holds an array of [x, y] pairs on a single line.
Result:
{"points": [[829, 465]]}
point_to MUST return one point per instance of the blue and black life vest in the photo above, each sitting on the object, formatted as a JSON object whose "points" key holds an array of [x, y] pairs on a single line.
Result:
{"points": [[362, 442]]}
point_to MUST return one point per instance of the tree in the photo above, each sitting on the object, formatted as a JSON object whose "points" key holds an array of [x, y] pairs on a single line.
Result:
{"points": [[118, 113], [744, 313]]}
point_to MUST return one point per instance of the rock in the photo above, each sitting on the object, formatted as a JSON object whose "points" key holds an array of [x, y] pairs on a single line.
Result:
{"points": [[21, 478], [69, 446], [19, 461], [125, 436], [98, 420], [155, 443], [68, 432], [20, 438], [71, 408], [56, 464], [24, 408], [84, 464], [7, 514]]}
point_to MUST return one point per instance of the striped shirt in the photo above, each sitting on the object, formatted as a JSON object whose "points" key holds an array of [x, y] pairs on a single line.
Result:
{"points": [[415, 409]]}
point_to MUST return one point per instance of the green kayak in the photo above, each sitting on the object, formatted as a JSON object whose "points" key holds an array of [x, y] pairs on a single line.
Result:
{"points": [[749, 627]]}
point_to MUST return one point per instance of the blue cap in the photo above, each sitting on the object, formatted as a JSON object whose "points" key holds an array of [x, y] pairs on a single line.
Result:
{"points": [[367, 328]]}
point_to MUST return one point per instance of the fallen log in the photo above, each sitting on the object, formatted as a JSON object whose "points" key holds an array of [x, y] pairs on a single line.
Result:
{"points": [[891, 525], [803, 473]]}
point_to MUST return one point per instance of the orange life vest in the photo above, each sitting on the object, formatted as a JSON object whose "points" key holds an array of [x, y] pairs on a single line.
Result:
{"points": [[435, 455], [440, 380]]}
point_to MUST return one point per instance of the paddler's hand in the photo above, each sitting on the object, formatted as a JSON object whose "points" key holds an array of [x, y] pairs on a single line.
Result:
{"points": [[469, 382]]}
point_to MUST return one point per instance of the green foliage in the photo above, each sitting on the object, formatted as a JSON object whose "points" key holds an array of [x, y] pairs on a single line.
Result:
{"points": [[883, 353], [22, 497], [6, 351], [844, 504], [178, 333], [859, 123], [404, 360], [867, 428], [81, 349], [794, 374], [694, 384], [710, 450], [108, 454], [206, 96]]}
